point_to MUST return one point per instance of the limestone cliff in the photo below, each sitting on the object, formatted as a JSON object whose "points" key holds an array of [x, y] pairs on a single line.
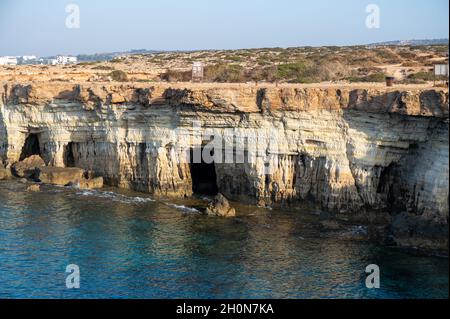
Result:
{"points": [[347, 149]]}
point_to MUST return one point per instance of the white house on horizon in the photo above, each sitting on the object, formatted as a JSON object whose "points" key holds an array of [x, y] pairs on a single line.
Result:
{"points": [[8, 60], [63, 59], [27, 59]]}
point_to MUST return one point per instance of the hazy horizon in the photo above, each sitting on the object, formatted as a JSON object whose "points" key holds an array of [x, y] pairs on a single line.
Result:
{"points": [[39, 28]]}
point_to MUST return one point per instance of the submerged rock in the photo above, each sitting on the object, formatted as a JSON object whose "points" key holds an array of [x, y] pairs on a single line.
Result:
{"points": [[220, 207], [27, 167], [420, 232], [34, 188], [329, 225]]}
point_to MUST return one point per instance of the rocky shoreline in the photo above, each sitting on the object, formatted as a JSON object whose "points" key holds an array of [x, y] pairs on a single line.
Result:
{"points": [[350, 150]]}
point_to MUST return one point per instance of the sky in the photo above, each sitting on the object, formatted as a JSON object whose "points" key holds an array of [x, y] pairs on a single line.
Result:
{"points": [[31, 27]]}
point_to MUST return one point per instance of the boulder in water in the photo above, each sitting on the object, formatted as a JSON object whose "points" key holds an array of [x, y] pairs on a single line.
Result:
{"points": [[91, 183], [60, 176], [34, 188], [27, 167], [71, 176], [4, 174], [220, 207]]}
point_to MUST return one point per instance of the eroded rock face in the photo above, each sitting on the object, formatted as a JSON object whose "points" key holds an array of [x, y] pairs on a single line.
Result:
{"points": [[27, 167], [220, 207], [347, 149]]}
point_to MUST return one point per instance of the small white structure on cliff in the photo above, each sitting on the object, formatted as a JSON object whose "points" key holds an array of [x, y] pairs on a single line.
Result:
{"points": [[8, 60], [197, 72]]}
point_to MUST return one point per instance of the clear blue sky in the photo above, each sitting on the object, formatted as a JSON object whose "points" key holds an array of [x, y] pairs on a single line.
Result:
{"points": [[38, 27]]}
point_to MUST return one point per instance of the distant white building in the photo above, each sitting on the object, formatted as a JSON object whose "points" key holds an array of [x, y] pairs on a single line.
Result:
{"points": [[62, 59], [51, 61], [27, 59], [8, 60]]}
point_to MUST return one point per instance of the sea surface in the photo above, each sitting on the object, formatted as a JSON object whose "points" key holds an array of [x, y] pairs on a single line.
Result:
{"points": [[128, 245]]}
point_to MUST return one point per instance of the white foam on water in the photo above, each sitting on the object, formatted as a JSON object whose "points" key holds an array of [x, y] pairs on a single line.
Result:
{"points": [[115, 196], [132, 200], [183, 208]]}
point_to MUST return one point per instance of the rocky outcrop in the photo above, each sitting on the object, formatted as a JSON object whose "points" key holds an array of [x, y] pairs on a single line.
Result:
{"points": [[234, 98], [220, 207], [71, 176], [4, 174], [34, 188], [60, 176], [91, 183], [348, 149], [418, 231], [27, 167]]}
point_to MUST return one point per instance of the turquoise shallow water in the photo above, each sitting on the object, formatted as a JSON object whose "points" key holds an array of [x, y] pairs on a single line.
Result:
{"points": [[129, 246]]}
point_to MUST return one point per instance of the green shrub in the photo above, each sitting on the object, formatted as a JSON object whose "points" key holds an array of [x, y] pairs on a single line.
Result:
{"points": [[374, 77], [85, 63], [176, 76], [119, 76], [234, 58], [226, 73], [387, 56], [424, 76], [291, 71], [309, 72]]}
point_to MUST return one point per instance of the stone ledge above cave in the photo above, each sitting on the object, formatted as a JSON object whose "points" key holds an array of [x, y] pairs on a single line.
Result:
{"points": [[406, 100]]}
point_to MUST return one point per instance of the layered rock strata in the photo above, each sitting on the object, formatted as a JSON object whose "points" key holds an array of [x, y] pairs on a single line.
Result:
{"points": [[347, 149]]}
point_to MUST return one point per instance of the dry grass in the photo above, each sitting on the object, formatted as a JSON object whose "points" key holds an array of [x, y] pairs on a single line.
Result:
{"points": [[270, 65]]}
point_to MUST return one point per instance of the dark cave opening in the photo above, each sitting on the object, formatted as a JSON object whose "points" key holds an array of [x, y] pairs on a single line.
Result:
{"points": [[31, 147], [390, 186], [69, 158], [204, 177]]}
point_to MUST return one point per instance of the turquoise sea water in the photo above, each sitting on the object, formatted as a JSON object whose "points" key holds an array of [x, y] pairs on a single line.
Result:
{"points": [[129, 246]]}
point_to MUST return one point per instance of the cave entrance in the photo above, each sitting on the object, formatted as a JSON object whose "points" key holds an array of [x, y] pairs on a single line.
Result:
{"points": [[389, 185], [204, 177], [31, 147], [69, 158]]}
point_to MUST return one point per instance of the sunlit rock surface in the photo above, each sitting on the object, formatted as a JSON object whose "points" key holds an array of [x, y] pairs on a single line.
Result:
{"points": [[346, 149]]}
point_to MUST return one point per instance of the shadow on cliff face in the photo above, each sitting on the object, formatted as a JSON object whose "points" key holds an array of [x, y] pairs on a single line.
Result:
{"points": [[31, 147], [389, 186], [68, 156], [431, 103], [402, 157], [204, 177], [405, 159]]}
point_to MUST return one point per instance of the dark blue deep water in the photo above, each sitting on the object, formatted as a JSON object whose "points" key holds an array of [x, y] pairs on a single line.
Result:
{"points": [[128, 246]]}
